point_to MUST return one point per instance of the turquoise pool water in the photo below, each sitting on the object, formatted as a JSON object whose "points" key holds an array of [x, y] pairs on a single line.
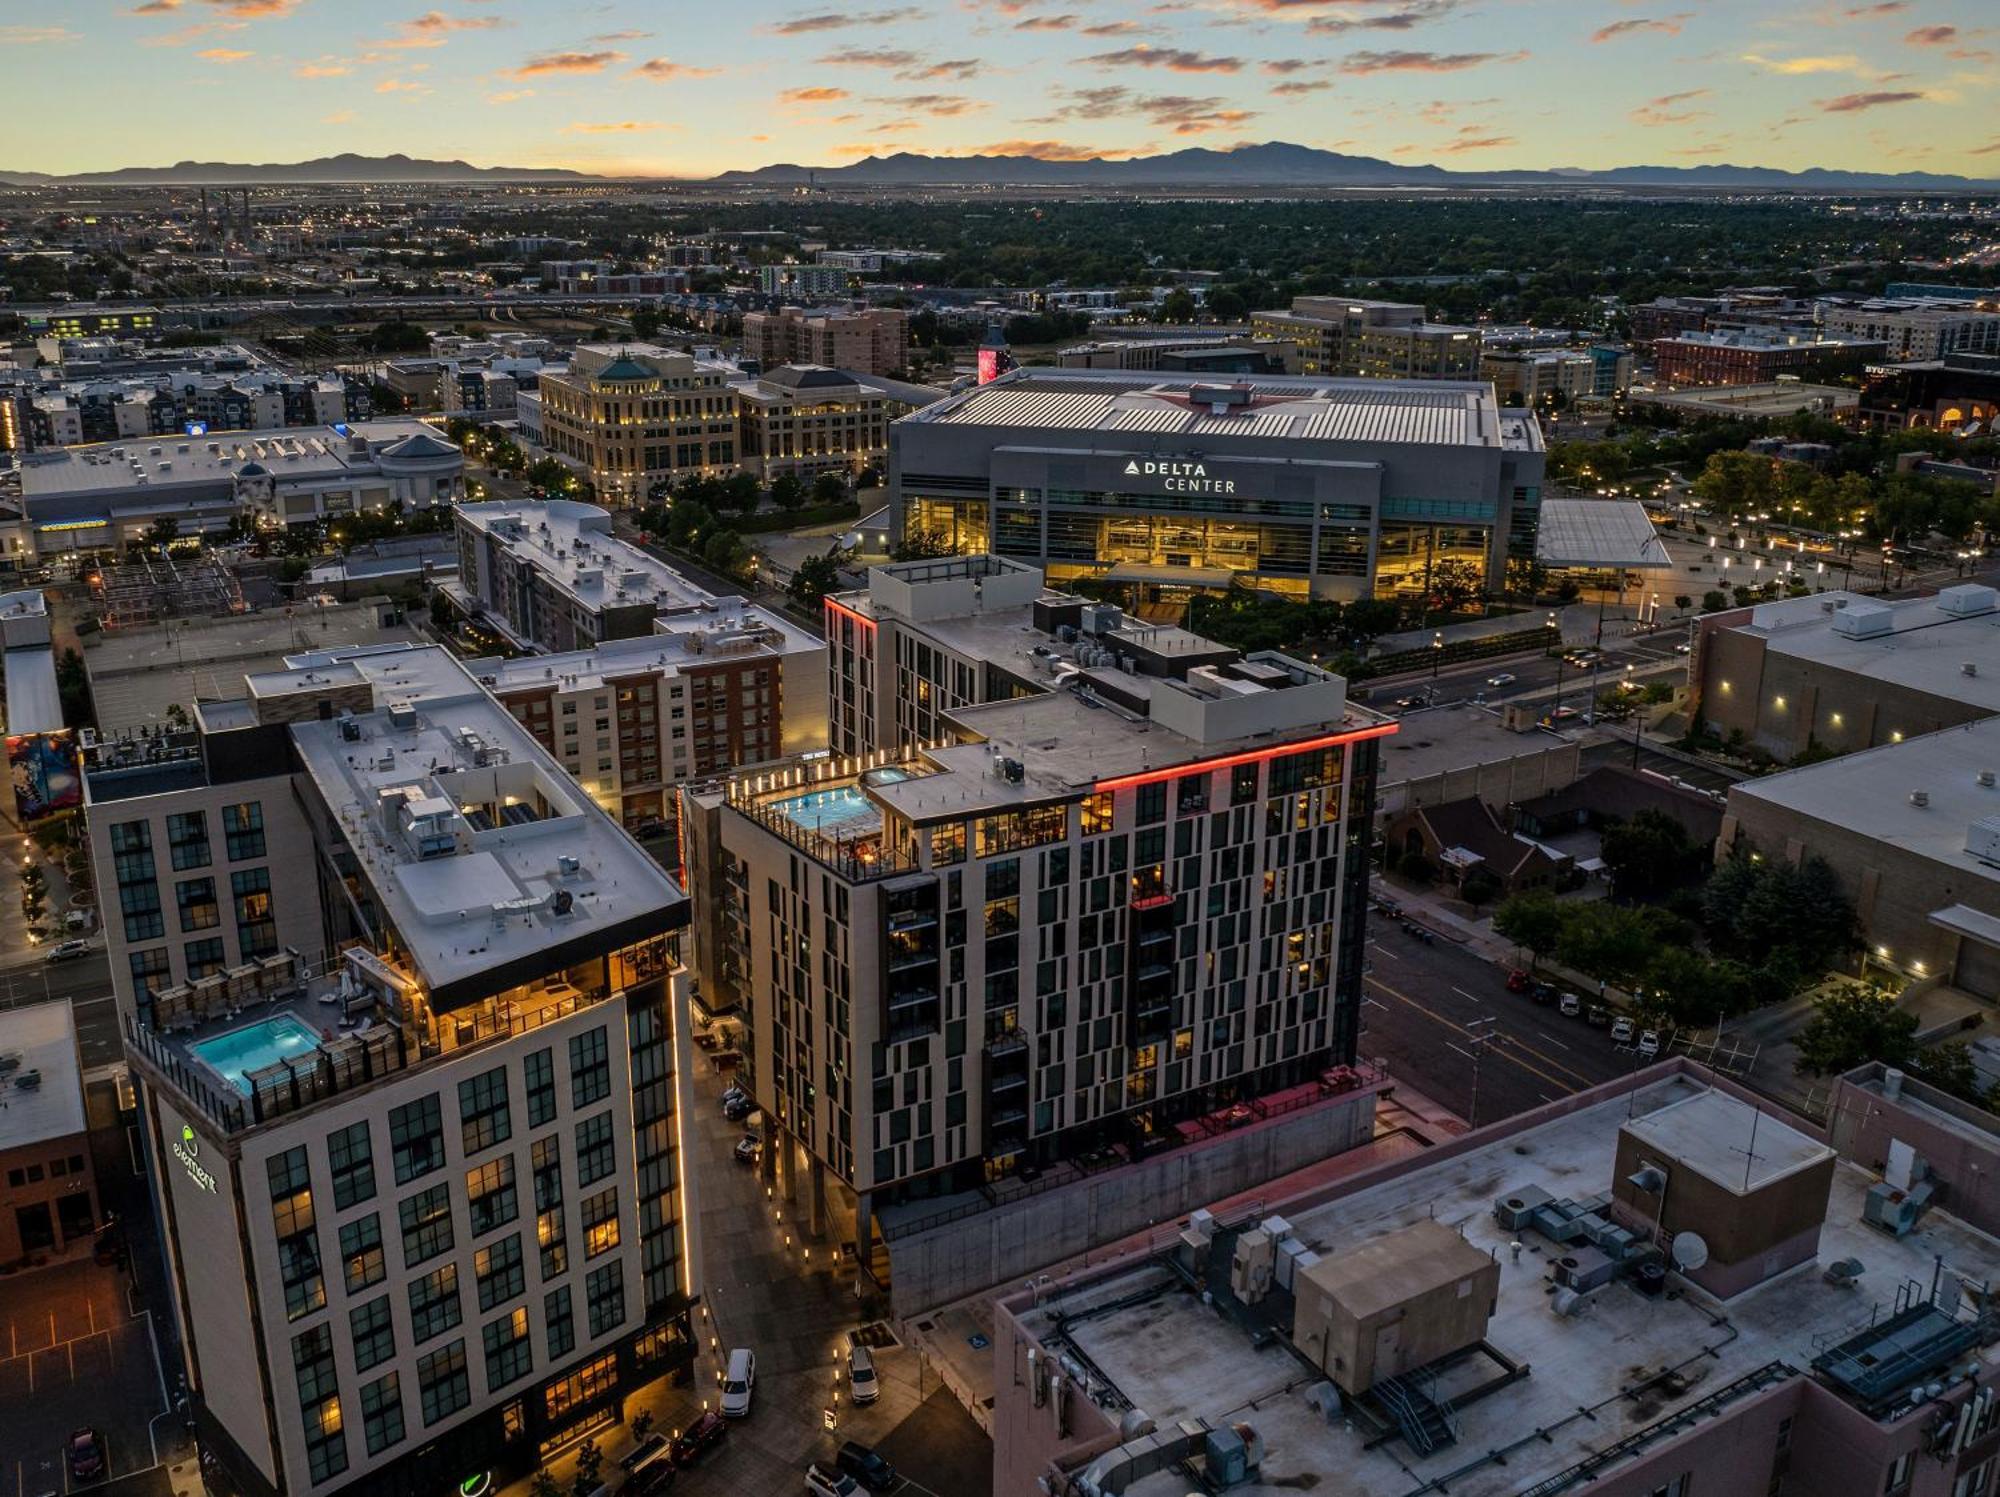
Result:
{"points": [[255, 1046], [842, 811]]}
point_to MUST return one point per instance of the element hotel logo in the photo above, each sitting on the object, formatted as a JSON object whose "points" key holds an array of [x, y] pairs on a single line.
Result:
{"points": [[187, 1149]]}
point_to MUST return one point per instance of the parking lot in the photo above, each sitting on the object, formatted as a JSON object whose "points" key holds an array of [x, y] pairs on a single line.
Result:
{"points": [[73, 1354]]}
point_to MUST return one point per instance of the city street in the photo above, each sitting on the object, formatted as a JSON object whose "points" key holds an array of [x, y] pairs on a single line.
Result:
{"points": [[1424, 1007], [86, 982]]}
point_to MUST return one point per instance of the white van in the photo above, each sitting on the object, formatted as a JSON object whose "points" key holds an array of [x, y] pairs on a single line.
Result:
{"points": [[861, 1384], [739, 1382]]}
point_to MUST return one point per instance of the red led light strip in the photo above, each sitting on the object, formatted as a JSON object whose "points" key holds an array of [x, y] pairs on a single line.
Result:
{"points": [[841, 608], [1255, 756]]}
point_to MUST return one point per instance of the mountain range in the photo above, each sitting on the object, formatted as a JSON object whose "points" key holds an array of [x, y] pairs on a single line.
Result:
{"points": [[1275, 164], [346, 167]]}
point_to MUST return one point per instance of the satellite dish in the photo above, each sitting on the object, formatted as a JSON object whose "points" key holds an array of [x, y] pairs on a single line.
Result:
{"points": [[1690, 1251]]}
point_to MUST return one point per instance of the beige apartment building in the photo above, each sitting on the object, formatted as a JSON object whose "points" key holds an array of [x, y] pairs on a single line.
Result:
{"points": [[1353, 339], [807, 419], [867, 340], [631, 416]]}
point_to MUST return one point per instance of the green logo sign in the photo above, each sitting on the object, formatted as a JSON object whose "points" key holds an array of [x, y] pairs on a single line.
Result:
{"points": [[188, 1152]]}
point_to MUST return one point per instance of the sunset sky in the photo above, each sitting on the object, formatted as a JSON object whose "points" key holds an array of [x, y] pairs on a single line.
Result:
{"points": [[691, 87]]}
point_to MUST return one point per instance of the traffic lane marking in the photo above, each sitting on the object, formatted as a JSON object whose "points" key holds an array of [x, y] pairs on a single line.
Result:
{"points": [[1461, 1030]]}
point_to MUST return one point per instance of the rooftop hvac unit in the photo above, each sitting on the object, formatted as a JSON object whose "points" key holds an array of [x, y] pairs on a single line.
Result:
{"points": [[1250, 1270], [1982, 840], [1967, 600], [1584, 1270], [1896, 1211], [1863, 620]]}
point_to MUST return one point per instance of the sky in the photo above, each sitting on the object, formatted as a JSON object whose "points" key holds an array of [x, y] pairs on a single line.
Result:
{"points": [[695, 87]]}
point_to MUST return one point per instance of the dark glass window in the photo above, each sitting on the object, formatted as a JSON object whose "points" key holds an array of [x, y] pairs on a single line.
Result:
{"points": [[374, 1333], [589, 1068], [381, 1413], [434, 1303], [508, 1354], [442, 1382], [243, 830], [426, 1218], [540, 1068], [187, 836], [482, 1111], [352, 1165], [595, 1156], [604, 1294], [497, 1267], [416, 1138], [361, 1253]]}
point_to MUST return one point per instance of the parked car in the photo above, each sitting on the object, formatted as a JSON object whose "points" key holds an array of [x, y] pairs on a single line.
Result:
{"points": [[740, 1109], [1622, 1030], [1404, 704], [733, 1093], [698, 1437], [739, 1382], [648, 1467], [1518, 980], [1649, 1043], [1597, 1015], [1571, 1006], [862, 1384], [67, 951], [748, 1147], [1503, 678], [824, 1482], [85, 1455], [863, 1463], [1558, 716], [1542, 993]]}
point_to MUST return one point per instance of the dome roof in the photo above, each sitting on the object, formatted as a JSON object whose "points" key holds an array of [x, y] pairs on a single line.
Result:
{"points": [[253, 470]]}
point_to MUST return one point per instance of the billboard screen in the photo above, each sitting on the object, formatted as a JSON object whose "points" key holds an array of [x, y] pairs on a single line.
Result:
{"points": [[48, 777]]}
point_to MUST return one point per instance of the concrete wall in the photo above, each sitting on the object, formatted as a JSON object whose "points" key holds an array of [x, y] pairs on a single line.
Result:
{"points": [[1544, 766], [1960, 1143], [959, 1258]]}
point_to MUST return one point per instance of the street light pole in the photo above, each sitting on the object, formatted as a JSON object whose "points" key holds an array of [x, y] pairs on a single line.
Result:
{"points": [[1478, 1034]]}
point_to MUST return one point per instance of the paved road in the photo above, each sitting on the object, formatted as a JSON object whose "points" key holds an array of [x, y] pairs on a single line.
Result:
{"points": [[1422, 1009], [1537, 678]]}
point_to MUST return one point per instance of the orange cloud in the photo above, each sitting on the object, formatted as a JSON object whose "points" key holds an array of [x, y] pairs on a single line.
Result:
{"points": [[662, 69], [321, 70], [1424, 62], [224, 55], [812, 95], [612, 127], [1173, 59], [1852, 103], [566, 62], [1671, 26]]}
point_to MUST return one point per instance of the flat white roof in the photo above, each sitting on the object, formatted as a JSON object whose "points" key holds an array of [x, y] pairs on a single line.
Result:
{"points": [[171, 461], [729, 633], [571, 544], [1868, 793], [1598, 533], [1923, 647], [1428, 412], [34, 705], [492, 900], [1176, 1358], [44, 1036], [1727, 1141]]}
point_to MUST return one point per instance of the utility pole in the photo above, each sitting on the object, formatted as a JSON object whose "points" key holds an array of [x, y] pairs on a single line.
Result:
{"points": [[1478, 1035]]}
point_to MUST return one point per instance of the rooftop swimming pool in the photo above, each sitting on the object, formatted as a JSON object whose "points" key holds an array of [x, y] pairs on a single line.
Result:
{"points": [[255, 1046], [844, 811]]}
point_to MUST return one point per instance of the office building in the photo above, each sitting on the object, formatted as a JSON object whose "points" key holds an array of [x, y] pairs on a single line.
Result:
{"points": [[1615, 366], [630, 418], [38, 411], [92, 321], [102, 497], [862, 340], [1665, 1287], [706, 694], [1922, 290], [1774, 401], [415, 1152], [48, 1187], [1081, 912], [805, 420], [1915, 329], [1345, 339], [1539, 376], [1733, 309], [1306, 487], [551, 575], [1758, 358], [1175, 354], [805, 282]]}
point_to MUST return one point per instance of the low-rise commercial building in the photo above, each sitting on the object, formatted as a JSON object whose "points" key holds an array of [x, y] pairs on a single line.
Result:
{"points": [[630, 417], [1195, 353], [102, 497], [1769, 402], [1306, 487], [1912, 831], [1539, 376], [864, 340], [1647, 1290], [48, 1187], [1354, 339], [417, 1170], [1838, 671], [805, 420], [1958, 394]]}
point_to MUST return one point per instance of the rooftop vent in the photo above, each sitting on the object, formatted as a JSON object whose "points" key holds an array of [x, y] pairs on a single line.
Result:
{"points": [[1967, 600], [1920, 798], [1986, 778]]}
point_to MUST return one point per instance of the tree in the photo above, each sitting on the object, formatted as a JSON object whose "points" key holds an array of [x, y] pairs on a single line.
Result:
{"points": [[1176, 306], [645, 323], [1456, 585], [1682, 602], [723, 549], [1853, 1024], [397, 337], [1648, 855], [163, 531], [1714, 601], [1949, 1068], [1738, 482], [1690, 990], [589, 1464], [641, 1424], [1225, 305], [815, 577], [829, 489], [1415, 867], [1532, 921], [1478, 887], [544, 1485], [548, 473], [788, 491], [1607, 941]]}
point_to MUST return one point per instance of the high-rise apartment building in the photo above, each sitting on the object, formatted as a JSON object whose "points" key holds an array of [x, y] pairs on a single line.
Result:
{"points": [[862, 340], [805, 420], [414, 1137], [630, 417], [1073, 917], [805, 280], [1352, 339]]}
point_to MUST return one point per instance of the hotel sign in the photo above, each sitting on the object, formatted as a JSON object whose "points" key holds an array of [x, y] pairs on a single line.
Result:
{"points": [[1180, 477], [187, 1149]]}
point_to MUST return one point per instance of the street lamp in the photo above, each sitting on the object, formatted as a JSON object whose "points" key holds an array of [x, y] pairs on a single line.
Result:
{"points": [[1437, 659]]}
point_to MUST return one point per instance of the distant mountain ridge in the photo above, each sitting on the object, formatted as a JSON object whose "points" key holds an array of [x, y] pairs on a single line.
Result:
{"points": [[1274, 164], [346, 167], [1280, 164]]}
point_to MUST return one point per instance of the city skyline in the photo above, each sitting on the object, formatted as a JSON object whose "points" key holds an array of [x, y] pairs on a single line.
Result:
{"points": [[609, 88]]}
